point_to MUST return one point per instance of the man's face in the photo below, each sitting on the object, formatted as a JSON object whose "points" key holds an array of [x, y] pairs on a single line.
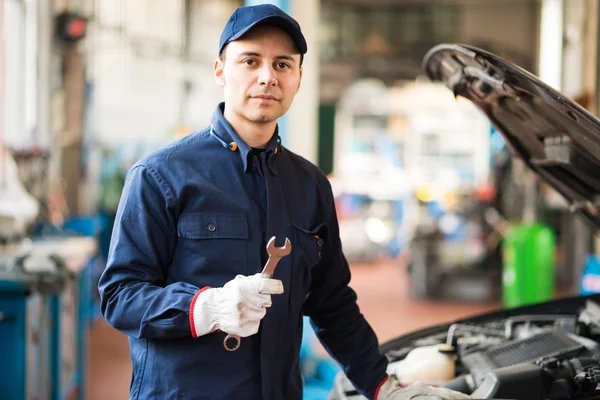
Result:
{"points": [[260, 74]]}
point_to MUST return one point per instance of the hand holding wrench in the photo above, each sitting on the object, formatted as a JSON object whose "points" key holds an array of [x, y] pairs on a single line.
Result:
{"points": [[275, 254]]}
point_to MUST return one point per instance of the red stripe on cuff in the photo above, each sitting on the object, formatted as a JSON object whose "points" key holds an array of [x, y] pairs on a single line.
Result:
{"points": [[192, 304], [380, 385]]}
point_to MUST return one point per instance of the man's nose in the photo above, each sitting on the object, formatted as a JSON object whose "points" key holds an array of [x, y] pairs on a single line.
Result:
{"points": [[267, 76]]}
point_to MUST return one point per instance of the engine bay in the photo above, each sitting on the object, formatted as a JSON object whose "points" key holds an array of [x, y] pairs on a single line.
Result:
{"points": [[537, 356]]}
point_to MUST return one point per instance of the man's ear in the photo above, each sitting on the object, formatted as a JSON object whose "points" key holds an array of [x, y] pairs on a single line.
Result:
{"points": [[218, 67], [299, 80]]}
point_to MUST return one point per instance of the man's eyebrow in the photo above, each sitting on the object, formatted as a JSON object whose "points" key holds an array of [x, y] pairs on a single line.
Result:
{"points": [[285, 57], [255, 54], [249, 53]]}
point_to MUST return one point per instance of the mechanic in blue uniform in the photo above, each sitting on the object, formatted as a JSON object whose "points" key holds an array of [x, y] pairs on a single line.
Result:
{"points": [[189, 243]]}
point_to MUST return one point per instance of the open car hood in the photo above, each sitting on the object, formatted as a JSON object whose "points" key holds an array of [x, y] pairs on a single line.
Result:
{"points": [[555, 137]]}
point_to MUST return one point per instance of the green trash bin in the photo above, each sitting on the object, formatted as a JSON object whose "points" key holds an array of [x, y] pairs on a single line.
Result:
{"points": [[528, 265]]}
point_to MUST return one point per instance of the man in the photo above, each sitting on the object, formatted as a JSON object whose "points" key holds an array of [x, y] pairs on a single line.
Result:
{"points": [[190, 239]]}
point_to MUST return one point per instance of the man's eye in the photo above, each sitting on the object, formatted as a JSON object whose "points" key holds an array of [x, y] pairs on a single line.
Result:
{"points": [[282, 65], [249, 62]]}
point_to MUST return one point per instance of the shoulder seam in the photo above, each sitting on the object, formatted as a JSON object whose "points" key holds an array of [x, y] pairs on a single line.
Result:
{"points": [[201, 134], [162, 185]]}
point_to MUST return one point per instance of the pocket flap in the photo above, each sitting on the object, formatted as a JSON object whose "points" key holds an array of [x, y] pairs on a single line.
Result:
{"points": [[213, 226], [310, 231]]}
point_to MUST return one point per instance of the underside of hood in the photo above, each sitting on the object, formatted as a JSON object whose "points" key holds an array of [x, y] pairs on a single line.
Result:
{"points": [[555, 137]]}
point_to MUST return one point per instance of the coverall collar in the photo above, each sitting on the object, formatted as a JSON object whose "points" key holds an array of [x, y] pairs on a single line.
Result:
{"points": [[224, 132]]}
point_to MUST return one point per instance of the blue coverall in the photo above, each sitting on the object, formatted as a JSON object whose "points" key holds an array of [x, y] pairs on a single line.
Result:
{"points": [[196, 214]]}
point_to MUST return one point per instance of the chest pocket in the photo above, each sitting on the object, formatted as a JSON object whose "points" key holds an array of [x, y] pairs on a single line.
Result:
{"points": [[214, 242], [307, 249]]}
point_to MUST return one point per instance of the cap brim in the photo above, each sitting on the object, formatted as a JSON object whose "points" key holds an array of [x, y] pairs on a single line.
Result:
{"points": [[280, 22]]}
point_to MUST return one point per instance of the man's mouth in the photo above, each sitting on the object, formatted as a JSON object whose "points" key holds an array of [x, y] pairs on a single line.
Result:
{"points": [[265, 97]]}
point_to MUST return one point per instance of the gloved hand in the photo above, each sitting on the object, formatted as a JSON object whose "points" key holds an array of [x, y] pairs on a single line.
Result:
{"points": [[236, 308], [391, 390]]}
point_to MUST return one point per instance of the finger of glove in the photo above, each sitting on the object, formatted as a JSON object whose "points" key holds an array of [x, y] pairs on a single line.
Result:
{"points": [[270, 286], [421, 391], [256, 300], [422, 397], [251, 314], [249, 328], [244, 330], [448, 394], [237, 322], [413, 394]]}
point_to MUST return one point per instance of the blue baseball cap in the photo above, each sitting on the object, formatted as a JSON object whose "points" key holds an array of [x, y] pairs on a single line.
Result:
{"points": [[245, 18]]}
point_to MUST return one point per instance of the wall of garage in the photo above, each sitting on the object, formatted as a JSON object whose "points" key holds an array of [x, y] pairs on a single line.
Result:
{"points": [[507, 25]]}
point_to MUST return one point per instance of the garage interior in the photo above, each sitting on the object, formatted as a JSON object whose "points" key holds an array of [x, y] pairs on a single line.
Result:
{"points": [[439, 220]]}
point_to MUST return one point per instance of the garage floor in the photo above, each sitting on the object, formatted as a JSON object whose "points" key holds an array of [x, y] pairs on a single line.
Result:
{"points": [[382, 295]]}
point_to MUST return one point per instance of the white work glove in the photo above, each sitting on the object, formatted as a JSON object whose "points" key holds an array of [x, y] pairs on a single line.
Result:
{"points": [[391, 390], [236, 308]]}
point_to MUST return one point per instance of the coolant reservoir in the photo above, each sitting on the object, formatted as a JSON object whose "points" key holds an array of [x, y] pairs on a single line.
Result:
{"points": [[433, 365]]}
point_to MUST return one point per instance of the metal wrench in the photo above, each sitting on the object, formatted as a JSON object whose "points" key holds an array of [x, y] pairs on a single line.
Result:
{"points": [[275, 254]]}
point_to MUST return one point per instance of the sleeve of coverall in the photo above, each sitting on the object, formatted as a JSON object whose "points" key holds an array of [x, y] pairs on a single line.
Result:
{"points": [[337, 320], [134, 298]]}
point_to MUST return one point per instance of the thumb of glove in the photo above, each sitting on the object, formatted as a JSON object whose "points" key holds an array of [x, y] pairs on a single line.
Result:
{"points": [[270, 286]]}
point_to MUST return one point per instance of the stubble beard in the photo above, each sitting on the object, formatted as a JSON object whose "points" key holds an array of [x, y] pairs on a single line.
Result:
{"points": [[261, 117]]}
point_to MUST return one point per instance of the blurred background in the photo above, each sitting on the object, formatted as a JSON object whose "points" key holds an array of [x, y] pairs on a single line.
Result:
{"points": [[425, 187]]}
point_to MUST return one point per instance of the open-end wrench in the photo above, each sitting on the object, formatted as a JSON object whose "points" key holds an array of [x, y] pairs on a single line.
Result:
{"points": [[275, 254]]}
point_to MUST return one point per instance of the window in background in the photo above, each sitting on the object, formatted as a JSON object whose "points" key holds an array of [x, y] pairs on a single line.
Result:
{"points": [[348, 31]]}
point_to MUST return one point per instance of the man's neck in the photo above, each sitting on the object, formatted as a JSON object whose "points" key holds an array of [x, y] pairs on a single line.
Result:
{"points": [[255, 135]]}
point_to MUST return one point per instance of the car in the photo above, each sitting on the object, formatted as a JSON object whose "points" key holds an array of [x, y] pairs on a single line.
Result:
{"points": [[544, 351]]}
